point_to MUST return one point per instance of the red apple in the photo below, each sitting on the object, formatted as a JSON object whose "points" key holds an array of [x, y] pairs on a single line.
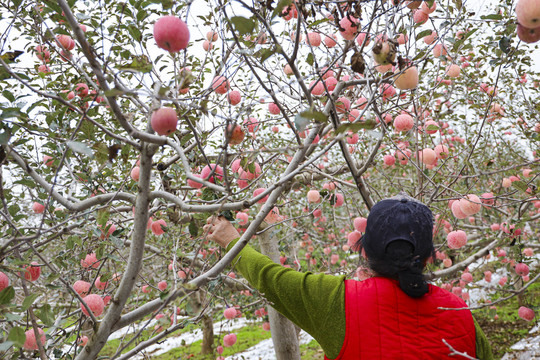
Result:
{"points": [[164, 121], [234, 134], [528, 35], [171, 33]]}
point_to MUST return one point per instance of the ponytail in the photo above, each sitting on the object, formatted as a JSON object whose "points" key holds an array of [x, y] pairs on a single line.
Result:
{"points": [[399, 264]]}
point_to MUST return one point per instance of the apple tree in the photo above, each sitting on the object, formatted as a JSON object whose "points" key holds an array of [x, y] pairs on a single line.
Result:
{"points": [[125, 125]]}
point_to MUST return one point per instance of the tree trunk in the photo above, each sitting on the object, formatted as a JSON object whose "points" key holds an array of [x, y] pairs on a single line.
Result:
{"points": [[208, 335], [284, 335]]}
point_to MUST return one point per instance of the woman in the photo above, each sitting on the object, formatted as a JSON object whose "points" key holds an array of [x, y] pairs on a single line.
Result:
{"points": [[393, 315]]}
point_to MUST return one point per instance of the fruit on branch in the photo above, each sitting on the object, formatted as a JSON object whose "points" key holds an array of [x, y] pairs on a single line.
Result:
{"points": [[403, 122], [522, 269], [420, 17], [525, 313], [384, 51], [171, 33], [428, 156], [330, 41], [32, 271], [487, 199], [470, 204], [38, 208], [95, 303], [427, 9], [407, 79], [81, 287], [164, 121], [158, 227], [273, 109], [135, 173], [456, 210], [90, 261], [162, 285], [212, 36], [220, 84], [66, 42], [348, 27], [234, 134], [528, 35], [313, 39], [313, 196], [363, 38], [48, 160], [229, 340], [453, 71], [528, 13], [208, 169], [234, 97], [4, 281], [30, 342], [429, 39], [42, 53], [456, 239], [229, 313]]}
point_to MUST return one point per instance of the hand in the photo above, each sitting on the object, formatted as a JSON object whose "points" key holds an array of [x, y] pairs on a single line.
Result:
{"points": [[220, 230]]}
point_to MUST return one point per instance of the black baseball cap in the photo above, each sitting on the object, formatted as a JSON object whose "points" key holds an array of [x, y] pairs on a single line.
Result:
{"points": [[399, 218]]}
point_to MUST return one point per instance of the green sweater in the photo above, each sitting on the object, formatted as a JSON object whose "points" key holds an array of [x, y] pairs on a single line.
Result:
{"points": [[314, 302]]}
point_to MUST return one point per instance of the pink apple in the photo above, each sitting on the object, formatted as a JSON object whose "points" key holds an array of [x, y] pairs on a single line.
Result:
{"points": [[30, 342], [81, 287], [525, 313], [171, 33], [38, 208], [220, 84], [4, 281], [158, 226], [90, 261], [95, 303], [32, 272], [162, 285], [164, 121]]}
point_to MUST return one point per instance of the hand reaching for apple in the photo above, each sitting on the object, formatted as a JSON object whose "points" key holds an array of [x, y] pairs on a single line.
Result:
{"points": [[220, 230]]}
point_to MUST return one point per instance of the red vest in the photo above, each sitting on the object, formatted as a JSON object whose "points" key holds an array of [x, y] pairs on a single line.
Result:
{"points": [[385, 323]]}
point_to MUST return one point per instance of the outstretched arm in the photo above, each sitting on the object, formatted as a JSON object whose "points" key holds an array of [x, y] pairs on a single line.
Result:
{"points": [[315, 302]]}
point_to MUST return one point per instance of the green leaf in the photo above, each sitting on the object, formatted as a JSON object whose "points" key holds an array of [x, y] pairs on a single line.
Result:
{"points": [[356, 127], [317, 116], [423, 34], [7, 295], [491, 17], [17, 336], [139, 63], [13, 317], [80, 147], [46, 315], [520, 185], [5, 136], [243, 25], [264, 54], [193, 229], [300, 122], [309, 59], [103, 216], [432, 127], [28, 301], [504, 44]]}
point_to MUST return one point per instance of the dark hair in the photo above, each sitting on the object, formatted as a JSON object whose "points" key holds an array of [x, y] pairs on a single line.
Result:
{"points": [[399, 263]]}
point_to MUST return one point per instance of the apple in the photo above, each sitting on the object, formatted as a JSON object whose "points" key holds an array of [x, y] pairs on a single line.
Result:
{"points": [[164, 121], [38, 208], [157, 227], [348, 27], [30, 342], [313, 38], [162, 285], [81, 287], [66, 42], [234, 134], [229, 340], [407, 79], [33, 271], [403, 122], [456, 239], [4, 281], [171, 33], [234, 97], [95, 303], [528, 35], [220, 84], [525, 313], [528, 13], [90, 261]]}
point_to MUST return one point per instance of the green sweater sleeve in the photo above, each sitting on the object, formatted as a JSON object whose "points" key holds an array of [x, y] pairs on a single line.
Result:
{"points": [[314, 302], [483, 349]]}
